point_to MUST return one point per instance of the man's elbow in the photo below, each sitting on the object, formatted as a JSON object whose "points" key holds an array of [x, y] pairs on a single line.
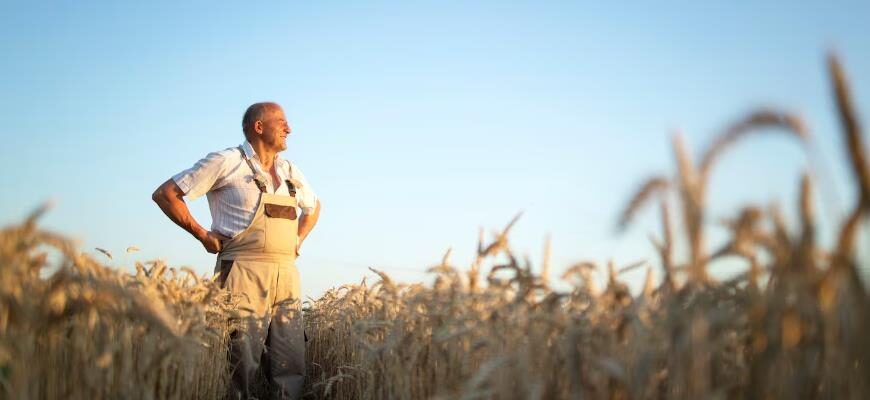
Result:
{"points": [[156, 196], [315, 215], [162, 193], [310, 215]]}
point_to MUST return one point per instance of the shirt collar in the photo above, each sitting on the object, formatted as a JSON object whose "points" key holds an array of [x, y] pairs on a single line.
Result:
{"points": [[251, 154], [249, 150]]}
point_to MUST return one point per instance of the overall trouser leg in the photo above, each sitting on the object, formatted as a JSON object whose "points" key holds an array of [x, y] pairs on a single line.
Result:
{"points": [[251, 284], [286, 341]]}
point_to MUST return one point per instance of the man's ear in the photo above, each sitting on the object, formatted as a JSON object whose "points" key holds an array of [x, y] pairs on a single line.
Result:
{"points": [[258, 126]]}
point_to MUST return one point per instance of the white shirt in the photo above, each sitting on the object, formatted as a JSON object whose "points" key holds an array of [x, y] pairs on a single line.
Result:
{"points": [[226, 180]]}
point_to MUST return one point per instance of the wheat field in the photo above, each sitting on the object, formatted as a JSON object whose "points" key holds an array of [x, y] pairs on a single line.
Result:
{"points": [[794, 325]]}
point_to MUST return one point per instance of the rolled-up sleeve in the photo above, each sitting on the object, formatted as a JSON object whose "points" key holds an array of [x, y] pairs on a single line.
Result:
{"points": [[202, 177], [305, 196]]}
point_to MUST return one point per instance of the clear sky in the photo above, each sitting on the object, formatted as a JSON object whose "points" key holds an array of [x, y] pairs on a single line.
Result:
{"points": [[415, 121]]}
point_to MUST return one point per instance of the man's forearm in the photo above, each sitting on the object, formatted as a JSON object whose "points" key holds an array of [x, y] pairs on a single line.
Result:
{"points": [[170, 200], [307, 222]]}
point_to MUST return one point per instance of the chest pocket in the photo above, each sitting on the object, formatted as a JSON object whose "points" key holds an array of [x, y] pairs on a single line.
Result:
{"points": [[280, 211], [281, 225]]}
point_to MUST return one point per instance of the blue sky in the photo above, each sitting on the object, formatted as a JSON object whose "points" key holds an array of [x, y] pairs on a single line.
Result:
{"points": [[416, 122]]}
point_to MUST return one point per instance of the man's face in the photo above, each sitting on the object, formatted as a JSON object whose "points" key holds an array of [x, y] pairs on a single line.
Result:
{"points": [[275, 130]]}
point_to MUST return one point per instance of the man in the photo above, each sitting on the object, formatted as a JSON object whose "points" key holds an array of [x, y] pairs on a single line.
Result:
{"points": [[254, 197]]}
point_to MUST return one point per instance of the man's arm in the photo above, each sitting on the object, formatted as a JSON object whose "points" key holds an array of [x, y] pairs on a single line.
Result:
{"points": [[306, 224], [170, 198]]}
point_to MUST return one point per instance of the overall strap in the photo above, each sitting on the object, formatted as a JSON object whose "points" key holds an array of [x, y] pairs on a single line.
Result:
{"points": [[260, 184], [291, 188]]}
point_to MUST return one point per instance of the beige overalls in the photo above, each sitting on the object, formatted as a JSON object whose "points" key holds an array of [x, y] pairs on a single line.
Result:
{"points": [[259, 266]]}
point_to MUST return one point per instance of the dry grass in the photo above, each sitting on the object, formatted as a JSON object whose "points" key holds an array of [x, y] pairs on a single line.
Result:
{"points": [[89, 331], [794, 325]]}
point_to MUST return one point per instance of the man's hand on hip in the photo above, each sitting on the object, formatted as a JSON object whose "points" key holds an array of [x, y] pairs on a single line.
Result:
{"points": [[212, 241], [170, 198]]}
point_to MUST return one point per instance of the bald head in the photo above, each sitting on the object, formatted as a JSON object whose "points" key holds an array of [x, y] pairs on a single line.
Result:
{"points": [[257, 112]]}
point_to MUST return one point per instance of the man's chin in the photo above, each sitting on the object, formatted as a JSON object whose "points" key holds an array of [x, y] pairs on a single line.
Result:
{"points": [[280, 146]]}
